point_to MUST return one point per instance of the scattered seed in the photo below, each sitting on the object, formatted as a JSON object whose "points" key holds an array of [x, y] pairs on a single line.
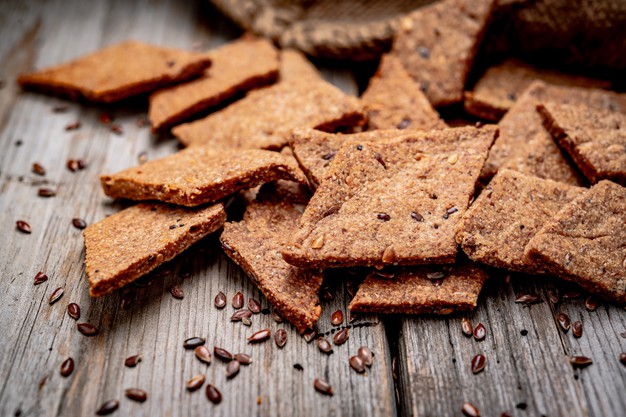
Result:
{"points": [[571, 295], [324, 345], [246, 321], [132, 361], [87, 329], [466, 327], [203, 354], [318, 243], [480, 332], [238, 300], [243, 358], [220, 300], [177, 292], [478, 363], [366, 355], [298, 367], [193, 342], [553, 295], [213, 394], [240, 315], [79, 223], [38, 169], [72, 126], [108, 407], [46, 192], [523, 332], [357, 364], [280, 337], [195, 383], [117, 129], [254, 306], [341, 336], [136, 394], [323, 387], [580, 361], [337, 318], [72, 165], [73, 310], [622, 358], [67, 367], [470, 410], [232, 369], [577, 329], [222, 354], [40, 278], [277, 317], [260, 336], [81, 164], [564, 321], [56, 294], [591, 303], [309, 335], [528, 299], [23, 227]]}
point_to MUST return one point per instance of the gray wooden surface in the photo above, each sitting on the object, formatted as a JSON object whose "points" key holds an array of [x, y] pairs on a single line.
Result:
{"points": [[432, 356]]}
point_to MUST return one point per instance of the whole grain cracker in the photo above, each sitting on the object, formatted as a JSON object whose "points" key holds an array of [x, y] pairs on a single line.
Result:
{"points": [[437, 44], [418, 290], [129, 244], [117, 72], [236, 67], [199, 175], [507, 214], [393, 202], [586, 241]]}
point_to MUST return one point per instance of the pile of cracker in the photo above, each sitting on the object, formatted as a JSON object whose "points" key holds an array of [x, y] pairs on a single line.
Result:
{"points": [[420, 208]]}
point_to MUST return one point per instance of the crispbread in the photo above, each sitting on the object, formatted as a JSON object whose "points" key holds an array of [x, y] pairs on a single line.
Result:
{"points": [[117, 72], [507, 214], [123, 247], [236, 67], [418, 290], [586, 241], [199, 175], [393, 202]]}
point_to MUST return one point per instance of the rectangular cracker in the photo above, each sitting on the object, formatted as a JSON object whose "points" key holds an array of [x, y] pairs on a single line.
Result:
{"points": [[129, 244], [315, 150], [499, 87], [525, 145], [255, 244], [236, 67], [594, 139], [419, 290], [117, 72], [394, 101], [265, 118], [199, 175], [507, 214], [393, 202], [586, 241], [437, 44]]}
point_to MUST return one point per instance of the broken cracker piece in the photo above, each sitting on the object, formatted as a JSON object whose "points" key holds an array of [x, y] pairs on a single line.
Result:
{"points": [[199, 175], [394, 202], [437, 44], [507, 214], [419, 290], [117, 72], [586, 241], [129, 244], [255, 244], [394, 101], [236, 67]]}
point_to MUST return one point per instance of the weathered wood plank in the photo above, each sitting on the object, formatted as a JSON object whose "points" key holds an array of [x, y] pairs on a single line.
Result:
{"points": [[37, 337]]}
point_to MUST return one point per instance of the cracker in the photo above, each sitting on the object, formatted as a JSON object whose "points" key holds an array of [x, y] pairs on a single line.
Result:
{"points": [[595, 139], [265, 118], [236, 67], [129, 244], [586, 241], [437, 44], [500, 86], [524, 144], [199, 175], [394, 101], [507, 214], [117, 72], [393, 202], [315, 150], [255, 244], [418, 290]]}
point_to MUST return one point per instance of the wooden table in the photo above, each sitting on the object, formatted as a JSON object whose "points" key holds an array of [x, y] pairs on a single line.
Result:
{"points": [[422, 364]]}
